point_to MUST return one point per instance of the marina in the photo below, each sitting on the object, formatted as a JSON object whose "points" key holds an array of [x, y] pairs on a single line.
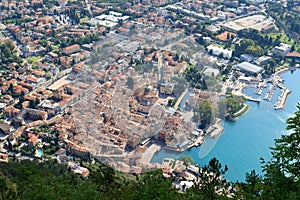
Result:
{"points": [[255, 131], [269, 94], [274, 82], [259, 90]]}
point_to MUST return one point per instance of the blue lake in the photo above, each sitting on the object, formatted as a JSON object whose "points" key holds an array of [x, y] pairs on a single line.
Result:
{"points": [[246, 140]]}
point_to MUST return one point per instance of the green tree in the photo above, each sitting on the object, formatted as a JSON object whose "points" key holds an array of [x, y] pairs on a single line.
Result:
{"points": [[32, 103], [254, 50], [233, 104], [252, 188], [282, 172], [6, 52], [222, 108], [11, 88], [7, 188], [204, 113], [153, 185], [11, 45], [108, 181], [187, 160], [211, 183]]}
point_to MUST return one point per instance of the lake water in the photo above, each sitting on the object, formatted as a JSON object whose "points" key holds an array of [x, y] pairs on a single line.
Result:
{"points": [[246, 140]]}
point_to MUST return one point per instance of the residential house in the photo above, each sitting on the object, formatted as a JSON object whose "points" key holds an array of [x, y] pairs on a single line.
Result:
{"points": [[71, 49], [5, 128], [3, 157], [134, 141], [2, 107], [32, 139], [166, 88]]}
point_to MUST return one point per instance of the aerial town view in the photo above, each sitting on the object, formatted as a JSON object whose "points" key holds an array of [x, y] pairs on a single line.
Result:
{"points": [[149, 99]]}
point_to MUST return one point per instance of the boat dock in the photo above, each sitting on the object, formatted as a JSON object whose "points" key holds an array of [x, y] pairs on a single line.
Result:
{"points": [[250, 98], [259, 90], [253, 99], [282, 97], [268, 96], [238, 93]]}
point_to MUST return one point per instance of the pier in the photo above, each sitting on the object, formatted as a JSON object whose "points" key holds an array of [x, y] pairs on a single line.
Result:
{"points": [[269, 94], [259, 90], [239, 93], [282, 97], [251, 98]]}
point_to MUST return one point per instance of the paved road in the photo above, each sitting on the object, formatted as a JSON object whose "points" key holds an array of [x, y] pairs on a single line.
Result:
{"points": [[180, 99]]}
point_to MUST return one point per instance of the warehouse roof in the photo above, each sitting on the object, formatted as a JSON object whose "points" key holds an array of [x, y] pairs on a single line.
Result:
{"points": [[245, 66]]}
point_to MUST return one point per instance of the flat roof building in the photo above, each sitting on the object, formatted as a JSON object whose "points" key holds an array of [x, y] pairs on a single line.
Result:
{"points": [[248, 67], [282, 49], [262, 60]]}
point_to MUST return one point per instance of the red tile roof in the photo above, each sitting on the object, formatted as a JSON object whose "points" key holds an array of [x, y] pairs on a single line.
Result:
{"points": [[293, 54]]}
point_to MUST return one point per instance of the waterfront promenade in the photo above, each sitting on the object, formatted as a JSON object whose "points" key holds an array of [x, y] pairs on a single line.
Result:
{"points": [[218, 129], [241, 111], [149, 152]]}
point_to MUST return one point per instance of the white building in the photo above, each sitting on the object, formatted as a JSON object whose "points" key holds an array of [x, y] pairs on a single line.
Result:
{"points": [[183, 185], [262, 60], [207, 40], [282, 49], [246, 57], [217, 51], [248, 67]]}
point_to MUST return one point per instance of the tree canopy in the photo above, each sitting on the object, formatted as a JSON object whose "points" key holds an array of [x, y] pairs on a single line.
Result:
{"points": [[49, 180], [204, 113]]}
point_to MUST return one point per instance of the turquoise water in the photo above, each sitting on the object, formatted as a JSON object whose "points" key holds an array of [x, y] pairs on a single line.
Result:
{"points": [[245, 141], [39, 153]]}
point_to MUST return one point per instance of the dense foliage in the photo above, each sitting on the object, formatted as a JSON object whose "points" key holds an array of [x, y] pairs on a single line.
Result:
{"points": [[204, 113], [286, 18], [194, 77], [33, 180], [7, 53], [50, 180], [250, 47], [231, 104]]}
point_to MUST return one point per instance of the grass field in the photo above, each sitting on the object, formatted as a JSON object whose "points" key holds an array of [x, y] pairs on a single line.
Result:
{"points": [[84, 20], [34, 59], [285, 39], [56, 47]]}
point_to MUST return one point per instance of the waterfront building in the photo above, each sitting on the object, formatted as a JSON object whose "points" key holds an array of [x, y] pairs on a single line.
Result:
{"points": [[250, 68]]}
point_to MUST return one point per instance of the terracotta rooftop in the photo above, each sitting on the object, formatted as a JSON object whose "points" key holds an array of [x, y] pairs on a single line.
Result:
{"points": [[223, 36], [293, 54]]}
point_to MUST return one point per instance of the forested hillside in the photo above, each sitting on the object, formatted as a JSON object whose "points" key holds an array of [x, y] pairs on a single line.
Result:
{"points": [[50, 180]]}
